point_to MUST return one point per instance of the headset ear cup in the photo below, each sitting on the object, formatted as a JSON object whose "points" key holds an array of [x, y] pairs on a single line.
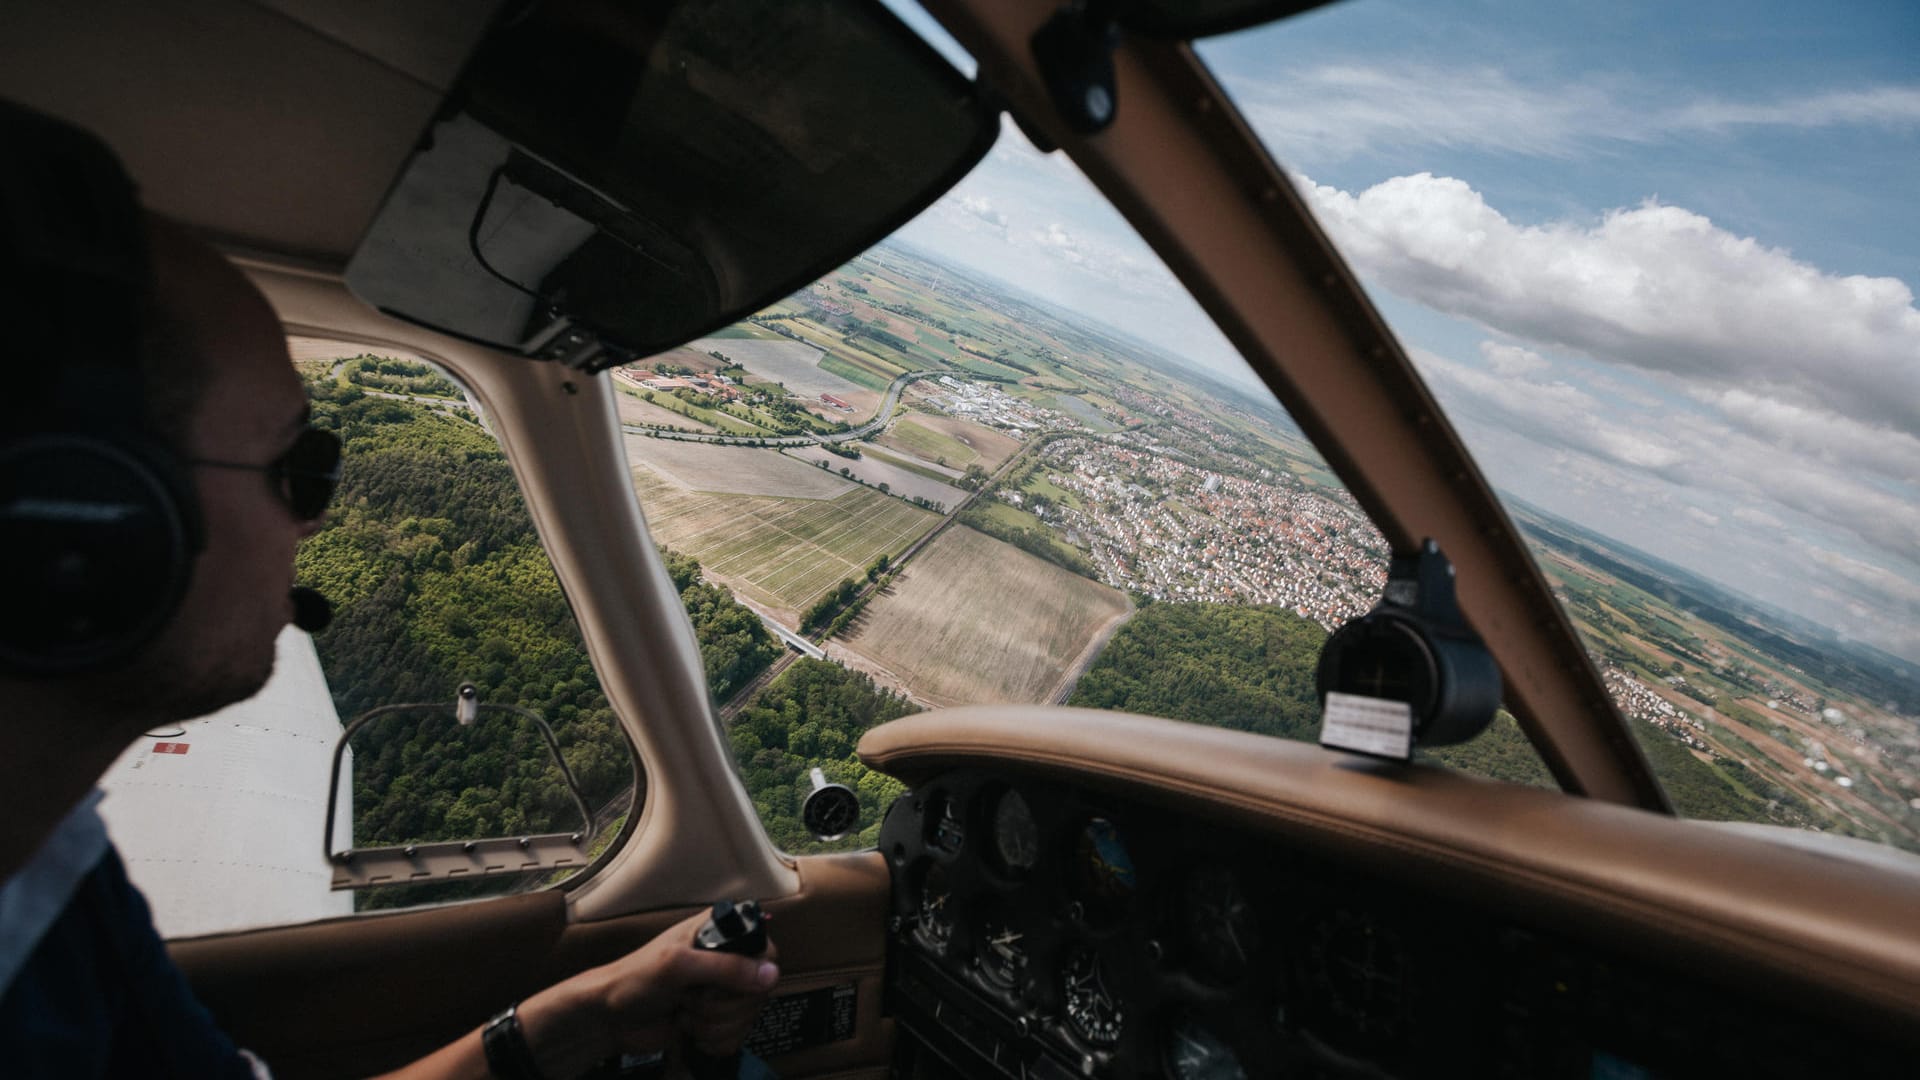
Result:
{"points": [[97, 541]]}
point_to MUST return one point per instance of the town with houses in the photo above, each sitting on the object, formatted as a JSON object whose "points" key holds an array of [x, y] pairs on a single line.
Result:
{"points": [[1173, 531]]}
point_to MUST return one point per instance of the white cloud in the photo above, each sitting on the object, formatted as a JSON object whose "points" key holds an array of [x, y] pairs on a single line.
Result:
{"points": [[1336, 110], [1056, 237], [981, 207], [1512, 359], [1827, 436], [1656, 287], [1726, 493], [1880, 106], [1556, 413]]}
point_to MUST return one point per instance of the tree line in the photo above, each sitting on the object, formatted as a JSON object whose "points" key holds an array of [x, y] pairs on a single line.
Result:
{"points": [[1251, 668]]}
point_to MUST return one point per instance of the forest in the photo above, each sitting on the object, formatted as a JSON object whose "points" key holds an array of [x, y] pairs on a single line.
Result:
{"points": [[812, 716], [439, 579], [1241, 667], [1252, 668]]}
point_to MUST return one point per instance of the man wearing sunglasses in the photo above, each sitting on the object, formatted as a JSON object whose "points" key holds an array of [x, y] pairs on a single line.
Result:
{"points": [[86, 988]]}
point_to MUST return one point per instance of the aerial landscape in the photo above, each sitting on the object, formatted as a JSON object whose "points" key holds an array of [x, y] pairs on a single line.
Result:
{"points": [[944, 492]]}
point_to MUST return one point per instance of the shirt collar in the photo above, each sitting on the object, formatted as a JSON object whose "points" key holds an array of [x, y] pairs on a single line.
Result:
{"points": [[33, 898]]}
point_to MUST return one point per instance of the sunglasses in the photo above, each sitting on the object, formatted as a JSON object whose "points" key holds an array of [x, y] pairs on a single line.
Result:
{"points": [[304, 476]]}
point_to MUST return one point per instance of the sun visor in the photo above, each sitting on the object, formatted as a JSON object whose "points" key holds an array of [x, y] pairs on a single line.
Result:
{"points": [[609, 180]]}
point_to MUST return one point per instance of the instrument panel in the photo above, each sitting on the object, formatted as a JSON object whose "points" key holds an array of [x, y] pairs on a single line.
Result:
{"points": [[1044, 931]]}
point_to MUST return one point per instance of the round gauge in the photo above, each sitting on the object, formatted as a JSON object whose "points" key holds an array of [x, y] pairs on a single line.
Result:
{"points": [[1106, 870], [1191, 1052], [1361, 970], [1092, 1010], [1217, 919], [935, 920], [1003, 954], [946, 833], [1016, 836]]}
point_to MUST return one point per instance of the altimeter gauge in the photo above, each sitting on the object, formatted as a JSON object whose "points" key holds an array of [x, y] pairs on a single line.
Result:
{"points": [[1003, 954], [935, 925]]}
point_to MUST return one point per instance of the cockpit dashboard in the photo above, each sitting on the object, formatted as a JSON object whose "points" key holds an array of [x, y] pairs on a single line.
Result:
{"points": [[1064, 921]]}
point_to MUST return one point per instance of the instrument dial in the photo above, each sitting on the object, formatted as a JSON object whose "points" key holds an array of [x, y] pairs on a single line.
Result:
{"points": [[1091, 1008], [1016, 836], [935, 920], [1362, 971], [1107, 877], [1221, 930], [1003, 954]]}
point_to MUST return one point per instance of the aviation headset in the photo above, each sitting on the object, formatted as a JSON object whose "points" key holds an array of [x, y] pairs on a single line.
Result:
{"points": [[99, 524]]}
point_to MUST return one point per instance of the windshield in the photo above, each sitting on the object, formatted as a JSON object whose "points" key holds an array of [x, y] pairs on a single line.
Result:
{"points": [[1658, 266], [1000, 458]]}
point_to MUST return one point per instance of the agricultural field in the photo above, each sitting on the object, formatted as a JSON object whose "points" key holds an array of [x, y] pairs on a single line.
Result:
{"points": [[1080, 409], [949, 440], [900, 481], [780, 553], [792, 364], [947, 628], [731, 470], [743, 331], [904, 460], [637, 410]]}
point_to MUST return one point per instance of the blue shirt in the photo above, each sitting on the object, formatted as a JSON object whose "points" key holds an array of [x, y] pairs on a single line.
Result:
{"points": [[96, 994]]}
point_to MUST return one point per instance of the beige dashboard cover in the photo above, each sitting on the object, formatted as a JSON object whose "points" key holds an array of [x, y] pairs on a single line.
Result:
{"points": [[1821, 929]]}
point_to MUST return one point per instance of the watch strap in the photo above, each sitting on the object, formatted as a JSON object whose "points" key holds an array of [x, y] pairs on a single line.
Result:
{"points": [[505, 1045]]}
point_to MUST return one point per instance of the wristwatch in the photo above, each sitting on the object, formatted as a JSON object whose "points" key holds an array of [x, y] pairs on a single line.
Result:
{"points": [[508, 1055]]}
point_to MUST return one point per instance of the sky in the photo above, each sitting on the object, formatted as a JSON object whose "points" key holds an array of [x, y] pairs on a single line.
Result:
{"points": [[1658, 262]]}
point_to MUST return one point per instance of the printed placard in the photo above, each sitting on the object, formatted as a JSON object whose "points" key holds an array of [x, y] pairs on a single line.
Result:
{"points": [[1368, 725]]}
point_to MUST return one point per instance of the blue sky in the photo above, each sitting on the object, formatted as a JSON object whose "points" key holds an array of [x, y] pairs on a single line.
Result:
{"points": [[1657, 261]]}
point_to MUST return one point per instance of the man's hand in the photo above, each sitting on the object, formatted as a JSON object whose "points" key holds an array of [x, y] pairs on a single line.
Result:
{"points": [[667, 984], [639, 1002]]}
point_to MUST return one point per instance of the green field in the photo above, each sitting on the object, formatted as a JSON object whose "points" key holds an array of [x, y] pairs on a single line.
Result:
{"points": [[780, 552], [1010, 516], [930, 444], [903, 463], [1038, 484], [745, 330], [980, 366], [870, 377]]}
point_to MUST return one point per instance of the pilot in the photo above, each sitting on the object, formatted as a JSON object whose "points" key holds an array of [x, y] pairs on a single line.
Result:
{"points": [[86, 987]]}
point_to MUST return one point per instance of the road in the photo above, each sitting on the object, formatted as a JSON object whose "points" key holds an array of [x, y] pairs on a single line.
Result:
{"points": [[793, 641], [460, 402], [878, 423]]}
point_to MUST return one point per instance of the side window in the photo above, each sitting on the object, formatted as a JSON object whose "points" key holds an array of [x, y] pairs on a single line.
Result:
{"points": [[437, 580]]}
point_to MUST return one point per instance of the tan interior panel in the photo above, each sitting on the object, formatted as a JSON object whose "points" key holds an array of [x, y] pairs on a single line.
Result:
{"points": [[1814, 924], [365, 994]]}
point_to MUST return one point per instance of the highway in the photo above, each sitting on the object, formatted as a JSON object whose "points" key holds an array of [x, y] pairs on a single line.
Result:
{"points": [[879, 422]]}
